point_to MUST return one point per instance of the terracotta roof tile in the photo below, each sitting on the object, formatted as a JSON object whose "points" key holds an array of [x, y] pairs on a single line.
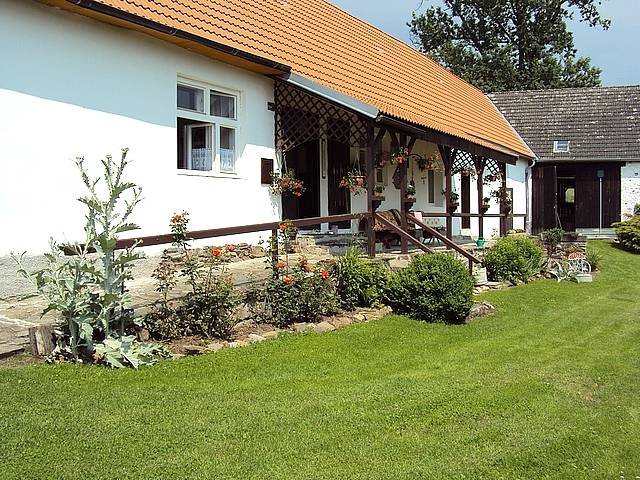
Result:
{"points": [[327, 45]]}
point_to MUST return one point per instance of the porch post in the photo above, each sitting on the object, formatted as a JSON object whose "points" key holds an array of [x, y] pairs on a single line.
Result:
{"points": [[503, 189], [445, 153], [371, 180], [404, 246], [480, 163]]}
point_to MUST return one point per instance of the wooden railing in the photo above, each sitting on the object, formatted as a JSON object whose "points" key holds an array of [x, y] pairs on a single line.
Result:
{"points": [[449, 243], [407, 236]]}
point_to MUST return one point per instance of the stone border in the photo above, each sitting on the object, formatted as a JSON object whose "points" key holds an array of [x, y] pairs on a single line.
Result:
{"points": [[326, 324]]}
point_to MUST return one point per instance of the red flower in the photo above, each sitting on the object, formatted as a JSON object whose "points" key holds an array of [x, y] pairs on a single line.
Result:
{"points": [[281, 264], [288, 279], [176, 218], [283, 228], [216, 252], [324, 274], [230, 248]]}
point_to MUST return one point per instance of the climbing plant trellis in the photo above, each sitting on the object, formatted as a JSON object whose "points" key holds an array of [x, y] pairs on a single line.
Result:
{"points": [[467, 162]]}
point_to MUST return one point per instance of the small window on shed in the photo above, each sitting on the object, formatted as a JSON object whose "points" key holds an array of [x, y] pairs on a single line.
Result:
{"points": [[561, 146]]}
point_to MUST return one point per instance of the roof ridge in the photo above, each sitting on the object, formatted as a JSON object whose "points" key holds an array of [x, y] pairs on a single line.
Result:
{"points": [[568, 89]]}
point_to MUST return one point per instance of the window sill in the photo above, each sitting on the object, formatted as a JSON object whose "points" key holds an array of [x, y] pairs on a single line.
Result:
{"points": [[199, 173]]}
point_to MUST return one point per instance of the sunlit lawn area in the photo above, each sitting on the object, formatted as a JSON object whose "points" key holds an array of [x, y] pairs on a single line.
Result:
{"points": [[548, 388]]}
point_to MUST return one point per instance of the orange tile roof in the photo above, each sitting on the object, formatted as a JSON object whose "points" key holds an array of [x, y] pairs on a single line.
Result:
{"points": [[331, 47]]}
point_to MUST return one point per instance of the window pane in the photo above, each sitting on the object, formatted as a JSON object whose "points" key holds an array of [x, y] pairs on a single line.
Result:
{"points": [[431, 184], [200, 152], [223, 105], [191, 98], [227, 149], [570, 195]]}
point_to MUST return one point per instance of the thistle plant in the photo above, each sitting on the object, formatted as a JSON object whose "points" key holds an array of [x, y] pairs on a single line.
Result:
{"points": [[106, 219]]}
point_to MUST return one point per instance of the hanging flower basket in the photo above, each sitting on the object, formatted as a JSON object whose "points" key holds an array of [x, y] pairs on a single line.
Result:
{"points": [[411, 191], [503, 197], [354, 181], [454, 201], [400, 156], [286, 183], [486, 205]]}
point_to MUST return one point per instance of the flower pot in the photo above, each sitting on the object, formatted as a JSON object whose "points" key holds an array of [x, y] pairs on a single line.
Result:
{"points": [[453, 207], [484, 208], [359, 179], [584, 278], [480, 242]]}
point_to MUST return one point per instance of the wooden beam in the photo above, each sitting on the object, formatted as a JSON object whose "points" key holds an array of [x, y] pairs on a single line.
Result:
{"points": [[404, 246], [446, 154], [403, 234], [412, 143], [371, 180], [480, 163], [381, 133]]}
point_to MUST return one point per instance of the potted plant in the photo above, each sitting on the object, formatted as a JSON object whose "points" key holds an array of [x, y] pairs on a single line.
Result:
{"points": [[486, 204], [286, 183], [401, 155], [411, 191], [378, 190], [504, 199], [354, 181], [454, 202]]}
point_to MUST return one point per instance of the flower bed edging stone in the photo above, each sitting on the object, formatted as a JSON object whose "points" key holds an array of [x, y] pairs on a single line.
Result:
{"points": [[326, 324]]}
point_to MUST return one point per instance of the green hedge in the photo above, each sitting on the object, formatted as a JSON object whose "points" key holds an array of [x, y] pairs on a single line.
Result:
{"points": [[513, 259], [433, 288], [629, 234]]}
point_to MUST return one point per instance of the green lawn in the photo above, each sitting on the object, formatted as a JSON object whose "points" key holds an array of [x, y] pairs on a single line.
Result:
{"points": [[548, 388]]}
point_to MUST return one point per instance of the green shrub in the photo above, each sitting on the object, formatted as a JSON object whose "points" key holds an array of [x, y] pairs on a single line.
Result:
{"points": [[433, 288], [360, 282], [513, 259], [629, 234], [552, 238], [594, 257]]}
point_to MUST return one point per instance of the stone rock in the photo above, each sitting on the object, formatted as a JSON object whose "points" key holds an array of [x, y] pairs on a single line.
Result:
{"points": [[194, 350], [215, 347], [481, 309], [234, 344], [323, 327], [257, 252], [359, 318], [270, 335], [254, 338], [398, 263], [143, 335], [302, 327], [340, 322]]}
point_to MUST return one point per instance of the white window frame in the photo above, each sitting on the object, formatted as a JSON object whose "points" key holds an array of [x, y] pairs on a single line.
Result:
{"points": [[216, 123], [557, 149], [189, 147]]}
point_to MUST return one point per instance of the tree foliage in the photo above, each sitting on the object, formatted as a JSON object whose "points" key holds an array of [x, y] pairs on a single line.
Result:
{"points": [[502, 45]]}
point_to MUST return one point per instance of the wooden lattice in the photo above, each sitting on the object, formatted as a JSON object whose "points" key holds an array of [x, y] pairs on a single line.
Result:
{"points": [[463, 161], [301, 117]]}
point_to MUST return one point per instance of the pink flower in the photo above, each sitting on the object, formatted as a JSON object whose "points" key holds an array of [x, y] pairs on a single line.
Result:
{"points": [[288, 279], [281, 264]]}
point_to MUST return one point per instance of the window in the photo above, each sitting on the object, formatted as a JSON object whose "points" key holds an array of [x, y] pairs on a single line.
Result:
{"points": [[223, 105], [431, 185], [570, 195], [561, 146], [227, 149], [191, 98], [207, 131]]}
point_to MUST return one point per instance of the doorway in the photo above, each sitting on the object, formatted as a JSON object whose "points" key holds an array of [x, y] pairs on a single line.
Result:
{"points": [[567, 203], [304, 160], [338, 166]]}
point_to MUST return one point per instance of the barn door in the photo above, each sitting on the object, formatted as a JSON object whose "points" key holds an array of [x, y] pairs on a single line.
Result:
{"points": [[544, 198]]}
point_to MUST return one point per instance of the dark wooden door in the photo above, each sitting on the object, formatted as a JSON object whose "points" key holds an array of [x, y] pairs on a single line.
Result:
{"points": [[588, 194], [338, 165], [465, 198], [304, 160], [544, 198], [567, 203]]}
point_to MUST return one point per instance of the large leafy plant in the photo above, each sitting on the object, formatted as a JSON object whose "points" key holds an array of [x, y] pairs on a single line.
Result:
{"points": [[629, 234], [88, 291]]}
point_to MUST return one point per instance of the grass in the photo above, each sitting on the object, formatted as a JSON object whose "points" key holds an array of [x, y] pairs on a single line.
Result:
{"points": [[547, 388]]}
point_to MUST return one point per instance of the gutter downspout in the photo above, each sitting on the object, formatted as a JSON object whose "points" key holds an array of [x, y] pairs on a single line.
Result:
{"points": [[528, 192]]}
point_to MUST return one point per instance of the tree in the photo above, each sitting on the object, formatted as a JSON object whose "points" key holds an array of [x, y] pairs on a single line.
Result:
{"points": [[502, 45]]}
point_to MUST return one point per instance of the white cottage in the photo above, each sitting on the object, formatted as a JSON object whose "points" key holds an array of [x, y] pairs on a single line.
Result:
{"points": [[210, 99]]}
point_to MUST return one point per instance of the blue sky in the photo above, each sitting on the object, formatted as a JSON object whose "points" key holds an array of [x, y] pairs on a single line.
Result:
{"points": [[616, 50]]}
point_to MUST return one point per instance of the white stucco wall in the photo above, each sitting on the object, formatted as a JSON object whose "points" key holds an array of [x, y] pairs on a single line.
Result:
{"points": [[630, 178], [72, 87]]}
